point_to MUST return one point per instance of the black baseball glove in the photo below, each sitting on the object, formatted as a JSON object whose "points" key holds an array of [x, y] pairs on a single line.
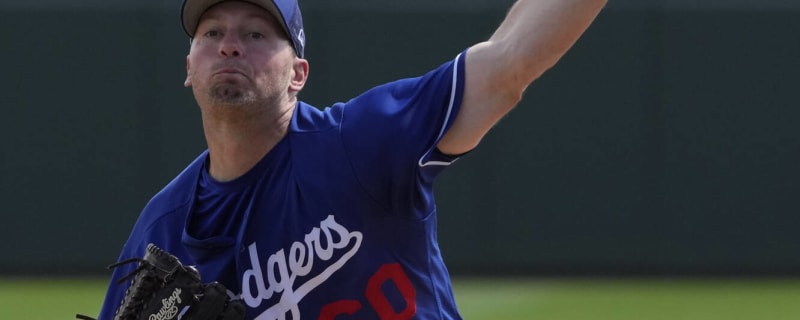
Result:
{"points": [[163, 288]]}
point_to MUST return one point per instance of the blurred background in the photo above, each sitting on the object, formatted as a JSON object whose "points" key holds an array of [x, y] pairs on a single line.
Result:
{"points": [[665, 143]]}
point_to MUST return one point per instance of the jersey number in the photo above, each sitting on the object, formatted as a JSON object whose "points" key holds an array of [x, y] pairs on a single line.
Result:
{"points": [[387, 272]]}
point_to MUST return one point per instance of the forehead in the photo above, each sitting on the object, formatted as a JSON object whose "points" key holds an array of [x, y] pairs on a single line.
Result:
{"points": [[238, 10]]}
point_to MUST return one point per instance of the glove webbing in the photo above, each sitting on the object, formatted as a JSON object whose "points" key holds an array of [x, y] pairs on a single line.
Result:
{"points": [[154, 271]]}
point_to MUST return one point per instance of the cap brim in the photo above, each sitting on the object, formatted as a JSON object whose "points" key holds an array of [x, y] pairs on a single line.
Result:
{"points": [[192, 10]]}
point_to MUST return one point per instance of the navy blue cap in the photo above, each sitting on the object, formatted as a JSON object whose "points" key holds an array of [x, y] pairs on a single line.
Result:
{"points": [[286, 11]]}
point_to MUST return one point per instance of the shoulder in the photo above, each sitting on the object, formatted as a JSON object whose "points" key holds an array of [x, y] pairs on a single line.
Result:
{"points": [[437, 80], [431, 88], [308, 118]]}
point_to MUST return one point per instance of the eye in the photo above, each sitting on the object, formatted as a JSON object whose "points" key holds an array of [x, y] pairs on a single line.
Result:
{"points": [[212, 33], [256, 35]]}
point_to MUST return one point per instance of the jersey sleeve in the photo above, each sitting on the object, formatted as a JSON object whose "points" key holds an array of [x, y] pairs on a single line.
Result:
{"points": [[390, 134]]}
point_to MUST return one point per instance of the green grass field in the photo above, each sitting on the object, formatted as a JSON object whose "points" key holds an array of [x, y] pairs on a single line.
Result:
{"points": [[562, 299]]}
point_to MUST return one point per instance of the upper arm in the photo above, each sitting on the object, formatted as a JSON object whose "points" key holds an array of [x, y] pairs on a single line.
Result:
{"points": [[488, 95], [534, 35]]}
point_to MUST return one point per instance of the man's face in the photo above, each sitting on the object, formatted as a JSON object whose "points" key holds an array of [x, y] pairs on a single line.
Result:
{"points": [[240, 56]]}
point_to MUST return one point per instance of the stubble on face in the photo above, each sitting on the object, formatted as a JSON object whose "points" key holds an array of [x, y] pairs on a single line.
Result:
{"points": [[251, 90], [227, 93]]}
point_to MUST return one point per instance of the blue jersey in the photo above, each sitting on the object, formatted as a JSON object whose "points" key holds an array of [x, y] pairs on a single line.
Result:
{"points": [[338, 219]]}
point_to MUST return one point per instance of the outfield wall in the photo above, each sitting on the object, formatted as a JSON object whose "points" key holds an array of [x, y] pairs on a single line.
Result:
{"points": [[665, 142]]}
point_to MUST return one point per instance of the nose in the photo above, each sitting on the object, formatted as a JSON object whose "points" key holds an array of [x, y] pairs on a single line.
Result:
{"points": [[230, 46]]}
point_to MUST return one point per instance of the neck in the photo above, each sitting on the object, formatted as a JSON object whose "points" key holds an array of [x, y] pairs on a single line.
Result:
{"points": [[237, 140]]}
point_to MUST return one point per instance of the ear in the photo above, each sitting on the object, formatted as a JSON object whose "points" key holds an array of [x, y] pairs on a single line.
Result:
{"points": [[188, 82], [299, 75]]}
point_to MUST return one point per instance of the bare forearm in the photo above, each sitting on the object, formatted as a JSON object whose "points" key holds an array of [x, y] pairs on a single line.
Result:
{"points": [[531, 39], [536, 33]]}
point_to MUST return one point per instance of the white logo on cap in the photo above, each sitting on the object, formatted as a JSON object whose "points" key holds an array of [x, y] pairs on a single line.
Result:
{"points": [[301, 36]]}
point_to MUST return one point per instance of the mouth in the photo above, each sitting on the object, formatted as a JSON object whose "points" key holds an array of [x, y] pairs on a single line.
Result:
{"points": [[229, 71], [230, 75]]}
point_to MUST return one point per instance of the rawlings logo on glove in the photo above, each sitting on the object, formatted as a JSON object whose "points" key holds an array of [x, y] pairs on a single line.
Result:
{"points": [[169, 306]]}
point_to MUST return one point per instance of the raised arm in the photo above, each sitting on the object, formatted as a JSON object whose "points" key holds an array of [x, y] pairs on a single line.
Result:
{"points": [[531, 39]]}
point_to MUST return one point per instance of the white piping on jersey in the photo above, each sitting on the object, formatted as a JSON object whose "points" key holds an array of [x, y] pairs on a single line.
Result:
{"points": [[453, 90]]}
